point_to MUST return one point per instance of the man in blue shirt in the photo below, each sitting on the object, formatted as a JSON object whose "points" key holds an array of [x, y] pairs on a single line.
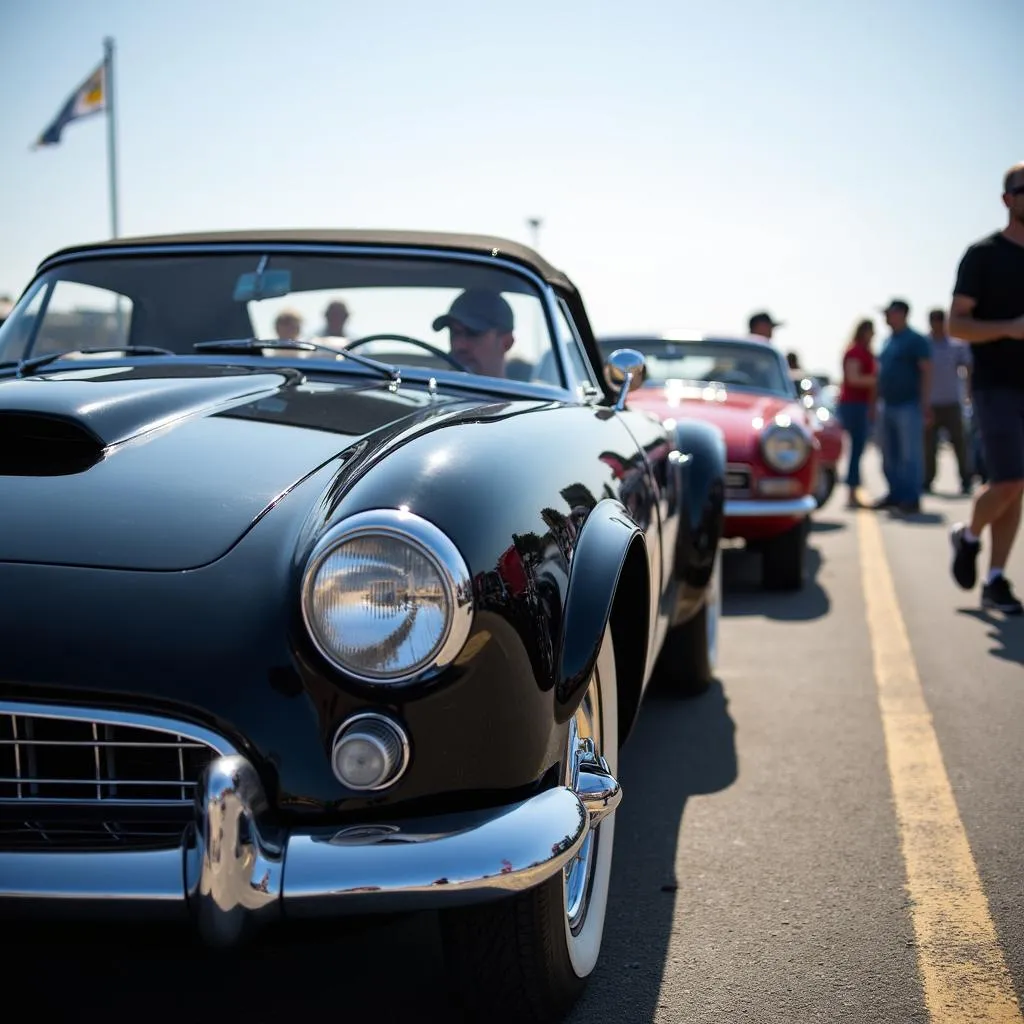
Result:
{"points": [[904, 389]]}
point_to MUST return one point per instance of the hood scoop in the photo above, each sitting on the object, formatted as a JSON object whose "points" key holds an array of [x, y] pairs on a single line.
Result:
{"points": [[34, 444], [61, 424]]}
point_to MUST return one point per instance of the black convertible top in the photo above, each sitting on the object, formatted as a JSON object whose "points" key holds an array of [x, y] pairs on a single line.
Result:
{"points": [[485, 245]]}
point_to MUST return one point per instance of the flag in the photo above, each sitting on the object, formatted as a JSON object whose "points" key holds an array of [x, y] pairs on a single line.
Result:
{"points": [[89, 98]]}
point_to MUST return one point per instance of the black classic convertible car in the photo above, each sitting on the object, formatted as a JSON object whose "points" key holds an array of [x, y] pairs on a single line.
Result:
{"points": [[300, 621]]}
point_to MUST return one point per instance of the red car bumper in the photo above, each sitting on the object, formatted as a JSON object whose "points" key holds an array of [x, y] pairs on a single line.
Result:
{"points": [[763, 518]]}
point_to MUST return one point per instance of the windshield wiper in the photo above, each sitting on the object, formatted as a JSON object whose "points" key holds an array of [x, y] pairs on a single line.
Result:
{"points": [[256, 345], [28, 365]]}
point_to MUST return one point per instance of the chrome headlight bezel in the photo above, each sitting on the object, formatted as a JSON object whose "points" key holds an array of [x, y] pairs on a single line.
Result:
{"points": [[432, 544], [784, 426]]}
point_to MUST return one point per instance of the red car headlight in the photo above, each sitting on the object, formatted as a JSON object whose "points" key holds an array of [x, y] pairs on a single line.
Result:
{"points": [[785, 446]]}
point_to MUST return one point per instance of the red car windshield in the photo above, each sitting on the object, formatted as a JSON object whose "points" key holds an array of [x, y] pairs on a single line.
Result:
{"points": [[737, 364]]}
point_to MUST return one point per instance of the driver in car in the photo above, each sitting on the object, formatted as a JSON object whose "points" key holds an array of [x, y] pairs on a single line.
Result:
{"points": [[480, 324]]}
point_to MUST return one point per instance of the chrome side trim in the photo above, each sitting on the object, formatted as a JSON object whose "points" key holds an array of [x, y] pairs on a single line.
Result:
{"points": [[101, 716], [767, 508]]}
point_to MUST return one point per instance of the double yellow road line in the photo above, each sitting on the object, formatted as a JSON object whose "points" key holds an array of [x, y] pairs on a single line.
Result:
{"points": [[963, 970]]}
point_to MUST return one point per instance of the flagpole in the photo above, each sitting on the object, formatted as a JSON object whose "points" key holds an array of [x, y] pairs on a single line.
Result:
{"points": [[108, 88]]}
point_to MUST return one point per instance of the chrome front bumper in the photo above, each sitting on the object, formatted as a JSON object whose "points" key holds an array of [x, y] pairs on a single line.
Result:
{"points": [[233, 872], [769, 508]]}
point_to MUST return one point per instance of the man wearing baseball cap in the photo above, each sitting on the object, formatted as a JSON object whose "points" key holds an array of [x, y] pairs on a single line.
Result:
{"points": [[480, 324], [904, 387], [763, 324]]}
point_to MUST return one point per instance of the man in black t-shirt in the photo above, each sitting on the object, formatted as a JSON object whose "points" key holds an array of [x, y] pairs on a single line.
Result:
{"points": [[988, 312]]}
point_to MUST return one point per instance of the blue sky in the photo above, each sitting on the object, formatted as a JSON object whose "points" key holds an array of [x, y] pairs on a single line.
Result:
{"points": [[690, 164]]}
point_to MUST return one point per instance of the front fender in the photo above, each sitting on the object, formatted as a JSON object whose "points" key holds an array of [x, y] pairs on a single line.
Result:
{"points": [[601, 552], [698, 468]]}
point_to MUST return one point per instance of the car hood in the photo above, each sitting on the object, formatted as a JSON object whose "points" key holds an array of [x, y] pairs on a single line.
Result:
{"points": [[166, 467], [738, 414]]}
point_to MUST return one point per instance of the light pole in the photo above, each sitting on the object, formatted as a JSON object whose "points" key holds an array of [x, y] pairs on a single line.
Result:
{"points": [[534, 224]]}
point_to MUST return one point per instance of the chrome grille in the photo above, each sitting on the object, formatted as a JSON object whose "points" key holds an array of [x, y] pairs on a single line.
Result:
{"points": [[70, 776], [737, 481]]}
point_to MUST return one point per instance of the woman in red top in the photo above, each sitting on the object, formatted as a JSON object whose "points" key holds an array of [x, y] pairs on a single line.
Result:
{"points": [[857, 400]]}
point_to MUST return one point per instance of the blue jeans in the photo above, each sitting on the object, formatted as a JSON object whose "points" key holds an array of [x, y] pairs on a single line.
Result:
{"points": [[903, 451], [854, 418]]}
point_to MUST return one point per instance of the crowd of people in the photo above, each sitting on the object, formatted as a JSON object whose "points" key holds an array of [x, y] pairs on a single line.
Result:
{"points": [[288, 323], [918, 385], [916, 388]]}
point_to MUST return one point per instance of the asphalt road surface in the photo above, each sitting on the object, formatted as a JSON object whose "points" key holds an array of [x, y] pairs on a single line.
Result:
{"points": [[834, 833]]}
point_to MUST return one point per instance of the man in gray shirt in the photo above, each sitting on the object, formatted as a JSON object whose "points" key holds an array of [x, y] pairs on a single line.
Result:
{"points": [[949, 356]]}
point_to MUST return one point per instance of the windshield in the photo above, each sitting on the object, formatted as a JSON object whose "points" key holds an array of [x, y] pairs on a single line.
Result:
{"points": [[742, 365], [433, 310]]}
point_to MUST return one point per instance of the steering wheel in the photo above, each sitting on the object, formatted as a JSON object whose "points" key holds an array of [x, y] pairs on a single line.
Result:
{"points": [[433, 350], [737, 377]]}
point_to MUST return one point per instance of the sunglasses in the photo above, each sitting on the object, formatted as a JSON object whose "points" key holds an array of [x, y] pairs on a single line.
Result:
{"points": [[1016, 191]]}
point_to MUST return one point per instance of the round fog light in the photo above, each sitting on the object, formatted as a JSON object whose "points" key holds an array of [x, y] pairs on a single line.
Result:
{"points": [[369, 752]]}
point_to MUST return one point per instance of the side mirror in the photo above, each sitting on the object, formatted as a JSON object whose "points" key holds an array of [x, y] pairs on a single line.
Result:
{"points": [[625, 369]]}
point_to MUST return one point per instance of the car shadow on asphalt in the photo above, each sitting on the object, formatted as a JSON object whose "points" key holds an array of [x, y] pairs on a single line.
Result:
{"points": [[678, 749], [391, 970], [826, 525], [1007, 633], [742, 593]]}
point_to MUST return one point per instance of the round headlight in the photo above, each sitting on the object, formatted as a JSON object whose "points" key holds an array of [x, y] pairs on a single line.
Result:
{"points": [[387, 597], [785, 447]]}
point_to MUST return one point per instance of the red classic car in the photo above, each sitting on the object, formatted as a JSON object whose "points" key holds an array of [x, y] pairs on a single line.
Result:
{"points": [[773, 446]]}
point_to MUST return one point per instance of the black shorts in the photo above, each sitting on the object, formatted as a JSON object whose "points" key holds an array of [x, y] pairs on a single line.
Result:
{"points": [[1000, 418]]}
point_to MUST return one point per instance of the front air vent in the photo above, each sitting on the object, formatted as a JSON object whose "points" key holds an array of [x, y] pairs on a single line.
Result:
{"points": [[33, 444], [738, 481]]}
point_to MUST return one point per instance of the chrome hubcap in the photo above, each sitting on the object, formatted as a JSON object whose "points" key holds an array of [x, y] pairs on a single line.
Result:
{"points": [[584, 737]]}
